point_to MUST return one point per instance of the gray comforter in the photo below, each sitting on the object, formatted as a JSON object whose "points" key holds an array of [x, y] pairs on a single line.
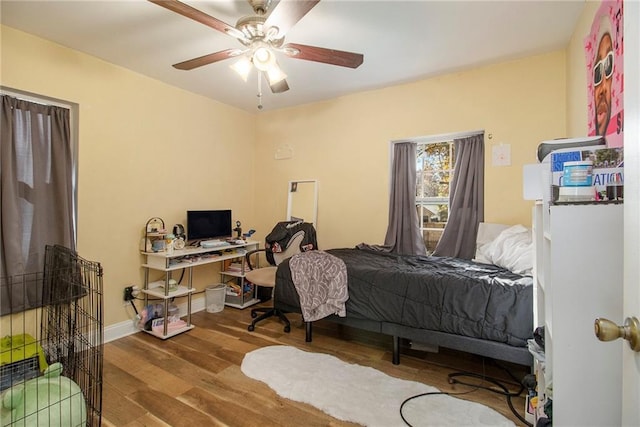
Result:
{"points": [[437, 293]]}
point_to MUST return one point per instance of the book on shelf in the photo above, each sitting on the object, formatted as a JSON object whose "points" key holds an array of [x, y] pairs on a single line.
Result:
{"points": [[157, 325], [236, 267], [235, 290]]}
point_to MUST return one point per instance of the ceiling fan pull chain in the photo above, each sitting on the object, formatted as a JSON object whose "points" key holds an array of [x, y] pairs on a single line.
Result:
{"points": [[259, 74]]}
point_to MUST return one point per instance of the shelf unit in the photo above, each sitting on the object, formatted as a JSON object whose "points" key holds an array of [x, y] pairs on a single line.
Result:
{"points": [[246, 298], [187, 258], [154, 230], [578, 272]]}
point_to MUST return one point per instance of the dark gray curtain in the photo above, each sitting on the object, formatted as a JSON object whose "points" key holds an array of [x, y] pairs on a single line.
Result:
{"points": [[466, 200], [36, 194], [403, 233]]}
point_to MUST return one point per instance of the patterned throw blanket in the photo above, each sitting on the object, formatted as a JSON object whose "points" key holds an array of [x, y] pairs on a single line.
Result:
{"points": [[321, 281]]}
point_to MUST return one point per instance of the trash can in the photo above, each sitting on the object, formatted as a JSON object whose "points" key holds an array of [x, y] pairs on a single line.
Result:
{"points": [[214, 298]]}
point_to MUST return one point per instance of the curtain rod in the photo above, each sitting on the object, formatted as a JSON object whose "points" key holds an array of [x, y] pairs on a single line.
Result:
{"points": [[35, 98], [440, 138]]}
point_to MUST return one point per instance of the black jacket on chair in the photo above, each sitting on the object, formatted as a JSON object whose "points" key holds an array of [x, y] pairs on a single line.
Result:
{"points": [[283, 232]]}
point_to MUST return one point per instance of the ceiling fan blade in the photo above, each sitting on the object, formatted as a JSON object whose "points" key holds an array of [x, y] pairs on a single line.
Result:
{"points": [[279, 87], [192, 13], [207, 59], [287, 13], [320, 54]]}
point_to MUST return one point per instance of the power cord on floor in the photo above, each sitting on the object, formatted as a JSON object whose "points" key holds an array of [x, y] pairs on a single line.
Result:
{"points": [[502, 389], [427, 394], [433, 393]]}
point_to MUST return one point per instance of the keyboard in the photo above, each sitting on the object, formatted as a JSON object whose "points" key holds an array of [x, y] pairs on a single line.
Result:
{"points": [[213, 243]]}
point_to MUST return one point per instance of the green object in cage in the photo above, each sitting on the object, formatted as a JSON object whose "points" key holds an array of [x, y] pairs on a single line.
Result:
{"points": [[49, 400], [21, 358]]}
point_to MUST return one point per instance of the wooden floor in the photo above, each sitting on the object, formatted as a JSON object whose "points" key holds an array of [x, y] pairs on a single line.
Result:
{"points": [[194, 378]]}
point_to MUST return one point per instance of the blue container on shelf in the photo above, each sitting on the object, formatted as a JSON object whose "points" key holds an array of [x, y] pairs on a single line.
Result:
{"points": [[577, 174]]}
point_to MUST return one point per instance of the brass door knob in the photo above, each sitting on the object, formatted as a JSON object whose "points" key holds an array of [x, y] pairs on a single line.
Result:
{"points": [[606, 330]]}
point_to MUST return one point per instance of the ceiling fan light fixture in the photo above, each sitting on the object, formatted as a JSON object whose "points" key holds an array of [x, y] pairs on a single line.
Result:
{"points": [[275, 74], [272, 33], [243, 67], [263, 58]]}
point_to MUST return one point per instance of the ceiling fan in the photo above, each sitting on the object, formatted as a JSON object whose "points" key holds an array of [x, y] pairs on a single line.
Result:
{"points": [[262, 35]]}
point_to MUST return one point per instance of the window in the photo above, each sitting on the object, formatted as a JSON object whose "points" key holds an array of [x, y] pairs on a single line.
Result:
{"points": [[434, 170]]}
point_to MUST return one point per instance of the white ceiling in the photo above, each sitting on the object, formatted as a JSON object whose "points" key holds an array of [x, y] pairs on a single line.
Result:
{"points": [[402, 41]]}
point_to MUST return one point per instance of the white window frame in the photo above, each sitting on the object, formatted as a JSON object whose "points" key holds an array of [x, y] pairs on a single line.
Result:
{"points": [[423, 202]]}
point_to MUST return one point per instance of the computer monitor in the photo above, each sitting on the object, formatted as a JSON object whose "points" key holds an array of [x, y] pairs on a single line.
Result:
{"points": [[208, 224]]}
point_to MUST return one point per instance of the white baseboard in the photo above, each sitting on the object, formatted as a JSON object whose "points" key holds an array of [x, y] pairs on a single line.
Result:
{"points": [[128, 327], [119, 330], [197, 304]]}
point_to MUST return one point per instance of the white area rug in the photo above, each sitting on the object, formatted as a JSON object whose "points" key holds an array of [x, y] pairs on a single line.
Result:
{"points": [[360, 394]]}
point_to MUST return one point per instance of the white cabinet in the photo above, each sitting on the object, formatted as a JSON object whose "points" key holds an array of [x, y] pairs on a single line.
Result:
{"points": [[187, 259], [578, 278]]}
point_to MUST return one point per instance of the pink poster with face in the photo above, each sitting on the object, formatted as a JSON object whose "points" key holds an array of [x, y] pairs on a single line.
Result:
{"points": [[605, 74]]}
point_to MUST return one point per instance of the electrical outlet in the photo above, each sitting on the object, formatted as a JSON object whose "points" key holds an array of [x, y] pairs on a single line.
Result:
{"points": [[128, 293]]}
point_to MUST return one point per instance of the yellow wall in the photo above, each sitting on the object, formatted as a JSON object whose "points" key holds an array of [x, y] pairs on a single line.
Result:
{"points": [[145, 149], [149, 149], [344, 143]]}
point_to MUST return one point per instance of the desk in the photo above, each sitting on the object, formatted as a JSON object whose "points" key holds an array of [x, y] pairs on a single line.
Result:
{"points": [[188, 258]]}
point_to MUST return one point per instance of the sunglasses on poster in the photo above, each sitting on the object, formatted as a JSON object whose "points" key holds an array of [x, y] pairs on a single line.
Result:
{"points": [[604, 67]]}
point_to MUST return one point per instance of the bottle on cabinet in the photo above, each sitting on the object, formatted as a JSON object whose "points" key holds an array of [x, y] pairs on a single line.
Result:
{"points": [[168, 240]]}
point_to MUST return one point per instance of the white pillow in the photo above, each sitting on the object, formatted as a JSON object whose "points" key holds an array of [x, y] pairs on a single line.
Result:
{"points": [[487, 232], [512, 249]]}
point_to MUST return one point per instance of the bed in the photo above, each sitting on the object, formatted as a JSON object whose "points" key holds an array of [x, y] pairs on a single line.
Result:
{"points": [[476, 307]]}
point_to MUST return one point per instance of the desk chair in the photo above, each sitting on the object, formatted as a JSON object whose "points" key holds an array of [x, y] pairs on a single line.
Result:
{"points": [[266, 276]]}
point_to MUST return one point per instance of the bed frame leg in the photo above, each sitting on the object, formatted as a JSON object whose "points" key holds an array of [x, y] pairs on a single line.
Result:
{"points": [[308, 332], [396, 350]]}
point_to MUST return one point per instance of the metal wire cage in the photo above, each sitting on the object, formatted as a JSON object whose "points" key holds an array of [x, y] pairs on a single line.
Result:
{"points": [[67, 329]]}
